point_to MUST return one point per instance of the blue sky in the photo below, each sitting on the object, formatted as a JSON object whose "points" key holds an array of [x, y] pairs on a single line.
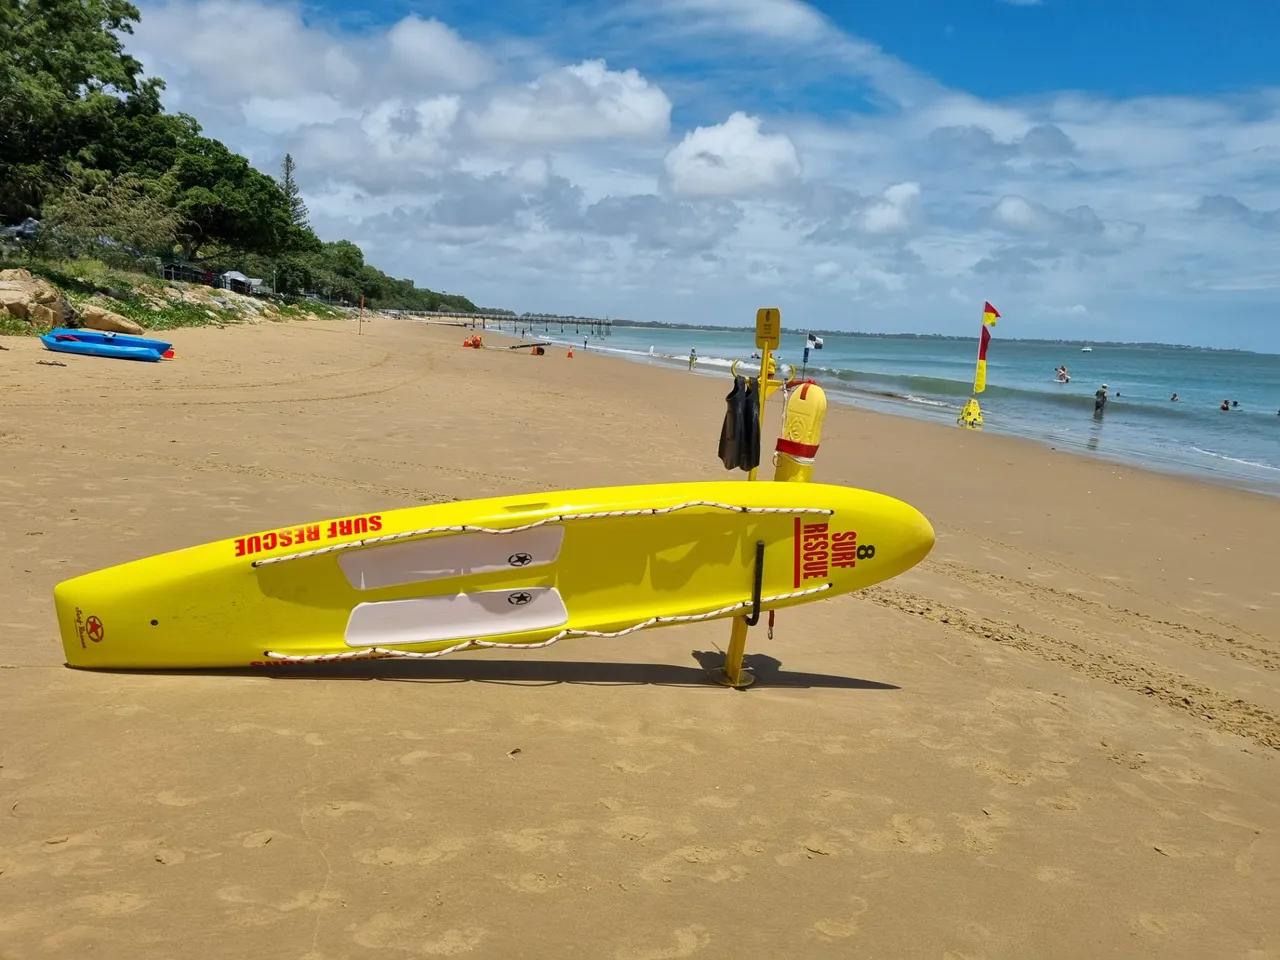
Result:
{"points": [[1100, 171]]}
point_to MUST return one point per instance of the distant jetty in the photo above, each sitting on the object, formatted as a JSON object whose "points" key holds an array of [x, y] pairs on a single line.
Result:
{"points": [[545, 323]]}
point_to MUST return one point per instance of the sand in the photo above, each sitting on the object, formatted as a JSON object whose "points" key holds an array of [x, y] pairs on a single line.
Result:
{"points": [[1056, 737]]}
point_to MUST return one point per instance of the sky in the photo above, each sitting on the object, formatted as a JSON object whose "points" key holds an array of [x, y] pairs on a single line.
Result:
{"points": [[1097, 170]]}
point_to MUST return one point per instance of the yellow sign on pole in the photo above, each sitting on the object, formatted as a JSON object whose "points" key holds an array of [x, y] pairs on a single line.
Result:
{"points": [[768, 328]]}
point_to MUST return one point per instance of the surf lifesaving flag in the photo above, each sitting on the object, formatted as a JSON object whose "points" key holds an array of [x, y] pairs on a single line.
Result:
{"points": [[989, 317]]}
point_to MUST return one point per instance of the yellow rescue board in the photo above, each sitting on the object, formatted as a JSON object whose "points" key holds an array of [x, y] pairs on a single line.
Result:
{"points": [[515, 571]]}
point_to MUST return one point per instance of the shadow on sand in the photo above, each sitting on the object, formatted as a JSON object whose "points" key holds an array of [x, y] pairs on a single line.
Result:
{"points": [[768, 672]]}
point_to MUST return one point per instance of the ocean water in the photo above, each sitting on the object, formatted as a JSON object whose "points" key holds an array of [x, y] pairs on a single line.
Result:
{"points": [[932, 378]]}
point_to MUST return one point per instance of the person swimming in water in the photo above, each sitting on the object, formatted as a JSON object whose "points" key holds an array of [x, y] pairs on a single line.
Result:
{"points": [[1174, 398], [1225, 406]]}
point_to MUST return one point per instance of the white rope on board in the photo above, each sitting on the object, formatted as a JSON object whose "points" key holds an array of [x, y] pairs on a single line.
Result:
{"points": [[385, 652], [560, 518]]}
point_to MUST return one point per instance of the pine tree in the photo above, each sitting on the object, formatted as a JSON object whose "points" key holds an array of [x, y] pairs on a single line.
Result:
{"points": [[297, 208]]}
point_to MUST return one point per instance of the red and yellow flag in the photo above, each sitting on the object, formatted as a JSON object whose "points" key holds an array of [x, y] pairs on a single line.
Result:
{"points": [[990, 315], [980, 378]]}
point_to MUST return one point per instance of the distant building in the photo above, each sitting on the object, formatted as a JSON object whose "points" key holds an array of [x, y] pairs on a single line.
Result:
{"points": [[237, 282], [188, 273]]}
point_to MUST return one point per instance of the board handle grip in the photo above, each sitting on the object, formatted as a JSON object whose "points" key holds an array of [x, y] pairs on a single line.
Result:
{"points": [[756, 586]]}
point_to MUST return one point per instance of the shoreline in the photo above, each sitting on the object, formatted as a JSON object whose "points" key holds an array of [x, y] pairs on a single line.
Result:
{"points": [[1068, 710], [925, 411]]}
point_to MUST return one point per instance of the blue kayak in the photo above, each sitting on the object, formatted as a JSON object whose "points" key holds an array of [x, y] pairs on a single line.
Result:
{"points": [[96, 343]]}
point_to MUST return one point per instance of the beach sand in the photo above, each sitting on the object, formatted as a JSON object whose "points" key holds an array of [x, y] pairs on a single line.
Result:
{"points": [[1057, 737]]}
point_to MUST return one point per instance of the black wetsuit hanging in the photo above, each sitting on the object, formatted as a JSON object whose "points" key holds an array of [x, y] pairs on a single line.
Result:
{"points": [[740, 433]]}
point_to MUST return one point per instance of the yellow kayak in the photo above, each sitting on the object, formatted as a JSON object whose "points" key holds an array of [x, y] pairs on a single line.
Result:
{"points": [[510, 571]]}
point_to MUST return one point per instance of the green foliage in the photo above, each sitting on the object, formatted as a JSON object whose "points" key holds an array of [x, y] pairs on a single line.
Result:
{"points": [[13, 327], [127, 209], [63, 78], [223, 199], [86, 145], [292, 195]]}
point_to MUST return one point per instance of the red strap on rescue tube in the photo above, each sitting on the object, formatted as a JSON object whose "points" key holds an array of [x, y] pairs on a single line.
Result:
{"points": [[794, 449]]}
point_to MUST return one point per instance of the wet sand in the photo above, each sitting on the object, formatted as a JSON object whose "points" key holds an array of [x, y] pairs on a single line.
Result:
{"points": [[1058, 736]]}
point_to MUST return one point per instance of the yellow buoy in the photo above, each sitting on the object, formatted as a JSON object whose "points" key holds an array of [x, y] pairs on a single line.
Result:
{"points": [[801, 431], [970, 415]]}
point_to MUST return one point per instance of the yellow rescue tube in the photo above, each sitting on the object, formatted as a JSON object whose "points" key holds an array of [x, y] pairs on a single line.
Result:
{"points": [[801, 432], [511, 571]]}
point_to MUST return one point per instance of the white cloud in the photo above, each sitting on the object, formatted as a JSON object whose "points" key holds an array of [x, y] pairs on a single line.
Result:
{"points": [[587, 101], [731, 159], [786, 19], [277, 115], [429, 49], [893, 211], [499, 170]]}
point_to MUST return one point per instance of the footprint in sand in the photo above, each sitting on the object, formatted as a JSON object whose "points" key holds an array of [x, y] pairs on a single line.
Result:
{"points": [[810, 848], [630, 766], [174, 798], [633, 829], [417, 756], [1055, 875], [718, 802], [532, 882], [170, 798], [995, 771], [109, 904], [686, 942], [537, 839], [69, 935], [439, 852], [257, 839], [1068, 802], [1168, 924], [703, 863], [840, 928], [339, 808], [903, 833], [396, 932], [979, 829], [254, 910]]}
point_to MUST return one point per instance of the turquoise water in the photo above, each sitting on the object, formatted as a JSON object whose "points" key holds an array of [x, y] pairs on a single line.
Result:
{"points": [[931, 379]]}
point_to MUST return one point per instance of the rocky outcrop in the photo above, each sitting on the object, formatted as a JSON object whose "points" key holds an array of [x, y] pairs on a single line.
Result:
{"points": [[33, 299], [95, 318]]}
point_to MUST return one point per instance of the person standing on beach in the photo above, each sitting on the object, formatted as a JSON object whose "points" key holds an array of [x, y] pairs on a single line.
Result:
{"points": [[693, 356], [1100, 401]]}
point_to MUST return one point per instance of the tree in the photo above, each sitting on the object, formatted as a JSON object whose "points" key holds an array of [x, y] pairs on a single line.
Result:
{"points": [[126, 211], [289, 187], [63, 76], [224, 200]]}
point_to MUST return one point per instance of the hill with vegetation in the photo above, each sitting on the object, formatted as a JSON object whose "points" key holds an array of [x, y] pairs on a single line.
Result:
{"points": [[87, 149]]}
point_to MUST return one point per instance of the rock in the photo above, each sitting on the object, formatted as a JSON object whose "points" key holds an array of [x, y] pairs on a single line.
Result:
{"points": [[42, 316], [95, 318], [14, 303], [32, 299]]}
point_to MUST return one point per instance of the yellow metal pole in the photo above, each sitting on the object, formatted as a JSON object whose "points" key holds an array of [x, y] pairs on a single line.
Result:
{"points": [[764, 394], [733, 673], [768, 331]]}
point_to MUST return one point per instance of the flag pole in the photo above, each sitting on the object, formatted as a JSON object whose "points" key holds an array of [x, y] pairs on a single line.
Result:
{"points": [[971, 413]]}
